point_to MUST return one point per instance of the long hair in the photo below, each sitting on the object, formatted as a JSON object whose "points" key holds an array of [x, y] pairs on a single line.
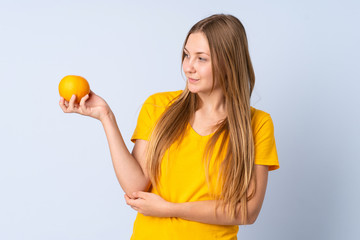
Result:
{"points": [[232, 68]]}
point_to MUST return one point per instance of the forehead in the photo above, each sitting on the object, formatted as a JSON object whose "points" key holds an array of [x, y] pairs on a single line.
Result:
{"points": [[197, 42]]}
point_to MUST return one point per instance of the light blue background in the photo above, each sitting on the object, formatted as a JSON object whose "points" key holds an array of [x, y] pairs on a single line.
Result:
{"points": [[56, 175]]}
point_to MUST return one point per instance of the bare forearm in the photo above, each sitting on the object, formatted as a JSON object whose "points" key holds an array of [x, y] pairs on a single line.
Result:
{"points": [[203, 211], [127, 169], [150, 204]]}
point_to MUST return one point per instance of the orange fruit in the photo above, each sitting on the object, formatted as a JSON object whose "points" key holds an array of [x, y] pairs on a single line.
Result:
{"points": [[72, 84]]}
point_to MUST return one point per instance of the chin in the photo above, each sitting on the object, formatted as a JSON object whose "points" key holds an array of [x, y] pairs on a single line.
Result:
{"points": [[193, 89], [199, 90]]}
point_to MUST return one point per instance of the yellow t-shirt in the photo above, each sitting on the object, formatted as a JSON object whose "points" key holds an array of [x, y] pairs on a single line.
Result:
{"points": [[183, 179]]}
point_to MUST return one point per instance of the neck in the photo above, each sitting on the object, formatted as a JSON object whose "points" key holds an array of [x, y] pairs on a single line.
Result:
{"points": [[213, 103]]}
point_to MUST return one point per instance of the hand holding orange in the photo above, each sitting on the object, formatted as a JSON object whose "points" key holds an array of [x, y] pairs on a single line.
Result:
{"points": [[73, 84]]}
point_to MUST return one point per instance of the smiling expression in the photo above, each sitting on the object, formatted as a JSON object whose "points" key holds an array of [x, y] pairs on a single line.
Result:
{"points": [[197, 63]]}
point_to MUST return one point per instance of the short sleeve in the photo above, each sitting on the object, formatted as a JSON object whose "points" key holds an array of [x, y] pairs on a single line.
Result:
{"points": [[145, 122], [150, 112], [265, 147]]}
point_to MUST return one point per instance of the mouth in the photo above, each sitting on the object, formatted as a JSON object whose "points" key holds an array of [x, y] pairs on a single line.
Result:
{"points": [[193, 80]]}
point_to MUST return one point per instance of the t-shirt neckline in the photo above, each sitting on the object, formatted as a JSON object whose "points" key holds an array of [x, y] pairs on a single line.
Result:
{"points": [[197, 134]]}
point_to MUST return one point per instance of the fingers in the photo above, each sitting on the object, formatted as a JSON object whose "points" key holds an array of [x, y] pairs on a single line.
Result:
{"points": [[133, 203], [72, 104], [62, 104], [135, 208], [82, 103], [68, 107], [140, 194], [126, 197], [130, 201]]}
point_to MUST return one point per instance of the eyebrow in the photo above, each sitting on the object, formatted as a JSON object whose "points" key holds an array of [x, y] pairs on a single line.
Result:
{"points": [[197, 52]]}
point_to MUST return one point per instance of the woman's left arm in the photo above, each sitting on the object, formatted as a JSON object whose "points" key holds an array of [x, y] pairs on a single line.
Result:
{"points": [[150, 204]]}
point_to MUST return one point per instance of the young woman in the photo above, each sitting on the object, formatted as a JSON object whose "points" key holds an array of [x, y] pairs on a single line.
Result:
{"points": [[199, 167]]}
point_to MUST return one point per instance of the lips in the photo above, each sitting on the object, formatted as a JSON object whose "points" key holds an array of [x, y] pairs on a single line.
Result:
{"points": [[193, 80]]}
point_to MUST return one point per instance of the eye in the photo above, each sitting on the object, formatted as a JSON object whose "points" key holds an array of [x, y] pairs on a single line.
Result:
{"points": [[202, 59], [186, 55]]}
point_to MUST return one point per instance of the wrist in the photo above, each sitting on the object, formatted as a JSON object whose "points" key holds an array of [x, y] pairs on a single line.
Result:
{"points": [[173, 209], [107, 116]]}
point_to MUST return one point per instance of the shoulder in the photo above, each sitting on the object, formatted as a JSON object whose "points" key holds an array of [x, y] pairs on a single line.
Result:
{"points": [[258, 115], [162, 99], [154, 106], [260, 119], [157, 103]]}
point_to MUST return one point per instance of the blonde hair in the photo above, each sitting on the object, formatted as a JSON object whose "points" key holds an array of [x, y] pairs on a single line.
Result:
{"points": [[232, 68]]}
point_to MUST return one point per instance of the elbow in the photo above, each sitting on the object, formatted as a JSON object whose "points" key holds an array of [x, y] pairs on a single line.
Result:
{"points": [[143, 188], [252, 215], [251, 220]]}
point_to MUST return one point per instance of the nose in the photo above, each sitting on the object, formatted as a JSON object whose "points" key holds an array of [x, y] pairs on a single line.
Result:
{"points": [[188, 66]]}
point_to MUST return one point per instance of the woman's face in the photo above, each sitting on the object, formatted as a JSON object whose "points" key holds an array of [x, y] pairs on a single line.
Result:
{"points": [[197, 64]]}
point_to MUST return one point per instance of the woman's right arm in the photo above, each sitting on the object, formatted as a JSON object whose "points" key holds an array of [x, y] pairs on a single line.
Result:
{"points": [[129, 168]]}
